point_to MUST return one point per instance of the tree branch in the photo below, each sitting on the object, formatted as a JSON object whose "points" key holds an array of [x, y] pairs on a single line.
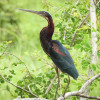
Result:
{"points": [[78, 28], [4, 50], [69, 20], [19, 87], [89, 97], [31, 99], [79, 93], [50, 86], [96, 5]]}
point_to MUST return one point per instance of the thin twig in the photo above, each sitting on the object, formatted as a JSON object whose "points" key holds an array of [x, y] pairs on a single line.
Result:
{"points": [[19, 60], [78, 28], [96, 5], [50, 86], [19, 87], [4, 50], [48, 89], [89, 97], [81, 91], [31, 99], [69, 20]]}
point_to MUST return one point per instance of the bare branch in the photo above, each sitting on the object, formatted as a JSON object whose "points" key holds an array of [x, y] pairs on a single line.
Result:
{"points": [[96, 5], [89, 82], [79, 93], [50, 86], [78, 28], [89, 97], [31, 99], [19, 87]]}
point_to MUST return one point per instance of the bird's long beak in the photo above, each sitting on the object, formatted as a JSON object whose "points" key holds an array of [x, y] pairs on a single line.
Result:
{"points": [[31, 11]]}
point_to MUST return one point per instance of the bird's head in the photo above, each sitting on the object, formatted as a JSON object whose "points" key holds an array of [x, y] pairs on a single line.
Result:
{"points": [[44, 14]]}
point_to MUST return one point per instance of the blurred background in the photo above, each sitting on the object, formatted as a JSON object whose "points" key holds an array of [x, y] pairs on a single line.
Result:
{"points": [[19, 35]]}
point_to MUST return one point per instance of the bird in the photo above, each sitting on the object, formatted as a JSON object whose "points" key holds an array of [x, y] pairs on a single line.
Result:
{"points": [[53, 48]]}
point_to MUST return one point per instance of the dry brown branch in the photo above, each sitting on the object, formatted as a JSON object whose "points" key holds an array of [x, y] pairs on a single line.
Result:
{"points": [[18, 87], [83, 88], [78, 28]]}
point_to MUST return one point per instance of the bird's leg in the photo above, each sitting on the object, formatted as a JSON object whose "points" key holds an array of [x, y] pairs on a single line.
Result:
{"points": [[67, 85], [57, 71]]}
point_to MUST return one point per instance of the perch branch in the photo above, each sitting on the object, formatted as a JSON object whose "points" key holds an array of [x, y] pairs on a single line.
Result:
{"points": [[19, 87], [79, 93], [78, 28]]}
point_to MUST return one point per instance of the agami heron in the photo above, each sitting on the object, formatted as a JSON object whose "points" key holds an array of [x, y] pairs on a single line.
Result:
{"points": [[53, 48]]}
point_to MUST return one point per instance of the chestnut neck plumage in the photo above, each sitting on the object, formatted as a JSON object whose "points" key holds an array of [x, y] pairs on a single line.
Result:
{"points": [[46, 35], [47, 32], [50, 27]]}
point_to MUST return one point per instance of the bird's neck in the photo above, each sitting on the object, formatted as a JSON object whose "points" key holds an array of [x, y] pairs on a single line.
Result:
{"points": [[46, 35], [50, 28]]}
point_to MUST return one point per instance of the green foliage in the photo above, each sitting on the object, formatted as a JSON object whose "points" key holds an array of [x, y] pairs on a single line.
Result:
{"points": [[22, 29], [9, 29]]}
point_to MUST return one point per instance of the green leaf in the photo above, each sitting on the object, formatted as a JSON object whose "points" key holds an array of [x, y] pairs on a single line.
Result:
{"points": [[15, 64], [12, 72], [5, 75], [8, 88], [56, 15], [78, 46], [65, 80], [19, 82], [10, 76], [2, 81], [94, 67], [94, 30], [73, 19]]}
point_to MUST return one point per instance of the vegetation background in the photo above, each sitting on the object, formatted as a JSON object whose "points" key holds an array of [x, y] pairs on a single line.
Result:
{"points": [[19, 35]]}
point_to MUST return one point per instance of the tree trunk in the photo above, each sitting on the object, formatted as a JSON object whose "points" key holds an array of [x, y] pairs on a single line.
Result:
{"points": [[93, 41], [93, 32]]}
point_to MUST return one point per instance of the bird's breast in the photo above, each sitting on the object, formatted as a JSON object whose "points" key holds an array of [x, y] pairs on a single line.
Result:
{"points": [[45, 43], [45, 39]]}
